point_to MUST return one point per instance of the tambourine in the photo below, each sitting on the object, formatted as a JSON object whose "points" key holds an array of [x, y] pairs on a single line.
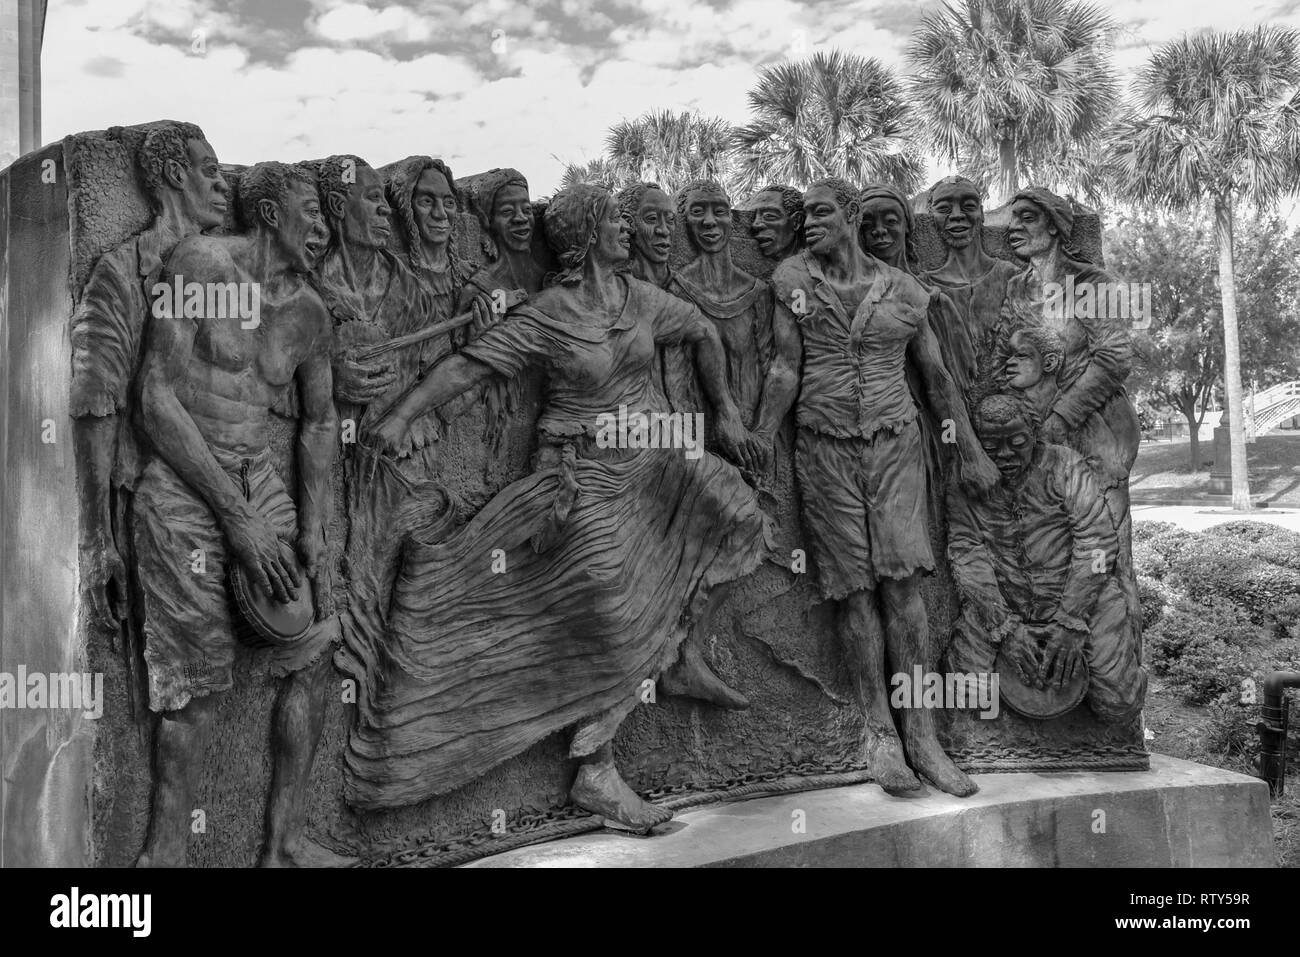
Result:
{"points": [[267, 621], [1040, 703]]}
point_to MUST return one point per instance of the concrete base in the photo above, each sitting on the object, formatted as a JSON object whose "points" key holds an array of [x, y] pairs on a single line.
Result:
{"points": [[1178, 814]]}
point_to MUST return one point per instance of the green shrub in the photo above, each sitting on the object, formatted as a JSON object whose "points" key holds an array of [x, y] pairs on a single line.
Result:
{"points": [[1203, 651]]}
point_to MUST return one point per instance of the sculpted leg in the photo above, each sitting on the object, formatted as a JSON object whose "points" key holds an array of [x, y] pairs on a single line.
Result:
{"points": [[690, 676], [179, 745], [863, 638], [909, 645], [299, 720], [600, 789]]}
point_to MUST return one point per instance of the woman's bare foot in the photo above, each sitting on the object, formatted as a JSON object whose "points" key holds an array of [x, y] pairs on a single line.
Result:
{"points": [[600, 789], [691, 677], [884, 756], [929, 759]]}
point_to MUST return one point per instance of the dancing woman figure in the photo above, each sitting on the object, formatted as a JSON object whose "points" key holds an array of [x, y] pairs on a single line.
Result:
{"points": [[573, 588]]}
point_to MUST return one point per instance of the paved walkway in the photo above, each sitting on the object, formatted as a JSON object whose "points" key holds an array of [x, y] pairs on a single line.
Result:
{"points": [[1197, 518]]}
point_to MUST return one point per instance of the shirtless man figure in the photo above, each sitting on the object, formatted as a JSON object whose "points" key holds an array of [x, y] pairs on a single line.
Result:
{"points": [[209, 383], [855, 323]]}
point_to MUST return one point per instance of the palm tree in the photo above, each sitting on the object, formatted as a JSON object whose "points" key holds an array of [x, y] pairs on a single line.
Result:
{"points": [[670, 148], [599, 171], [831, 114], [1217, 119], [1012, 87]]}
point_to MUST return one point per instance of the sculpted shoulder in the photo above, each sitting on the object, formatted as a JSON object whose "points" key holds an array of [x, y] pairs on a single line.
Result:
{"points": [[201, 257]]}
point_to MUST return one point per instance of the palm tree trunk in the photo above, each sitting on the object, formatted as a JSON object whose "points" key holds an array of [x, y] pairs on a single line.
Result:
{"points": [[1231, 354], [1008, 173]]}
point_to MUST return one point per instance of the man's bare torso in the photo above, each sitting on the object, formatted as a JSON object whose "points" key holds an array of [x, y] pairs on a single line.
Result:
{"points": [[235, 375]]}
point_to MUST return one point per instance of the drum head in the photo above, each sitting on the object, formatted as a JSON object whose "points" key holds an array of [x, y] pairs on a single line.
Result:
{"points": [[1040, 703], [278, 623]]}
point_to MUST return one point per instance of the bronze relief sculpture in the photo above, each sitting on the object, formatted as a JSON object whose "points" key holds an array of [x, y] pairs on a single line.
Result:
{"points": [[504, 636]]}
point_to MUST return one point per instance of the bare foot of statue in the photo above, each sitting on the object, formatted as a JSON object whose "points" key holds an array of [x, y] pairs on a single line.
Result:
{"points": [[928, 758], [304, 852], [883, 754], [691, 677], [600, 789]]}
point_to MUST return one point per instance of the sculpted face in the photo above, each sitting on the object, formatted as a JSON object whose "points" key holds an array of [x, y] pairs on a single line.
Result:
{"points": [[434, 202], [365, 221], [1010, 445], [206, 192], [301, 232], [958, 213], [1031, 233], [774, 230], [613, 240], [827, 226], [653, 226], [708, 220], [884, 227], [512, 218], [1026, 367]]}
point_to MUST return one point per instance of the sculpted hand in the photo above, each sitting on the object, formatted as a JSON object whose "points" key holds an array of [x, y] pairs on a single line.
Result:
{"points": [[103, 566], [391, 435], [258, 548], [486, 314], [361, 382], [1022, 651], [978, 473], [1062, 656], [314, 552], [734, 439]]}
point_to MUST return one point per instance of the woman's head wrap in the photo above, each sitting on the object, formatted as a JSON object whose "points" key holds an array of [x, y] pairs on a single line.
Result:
{"points": [[1059, 211], [885, 191], [571, 220], [482, 196]]}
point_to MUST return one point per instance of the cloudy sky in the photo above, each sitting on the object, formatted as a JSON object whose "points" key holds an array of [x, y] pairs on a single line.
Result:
{"points": [[524, 83]]}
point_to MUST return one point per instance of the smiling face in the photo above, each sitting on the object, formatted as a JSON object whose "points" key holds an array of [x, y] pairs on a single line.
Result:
{"points": [[1031, 233], [958, 213], [365, 220], [773, 229], [1010, 445], [206, 192], [301, 232], [512, 218], [827, 226], [612, 242], [708, 219], [653, 226], [434, 202], [884, 228]]}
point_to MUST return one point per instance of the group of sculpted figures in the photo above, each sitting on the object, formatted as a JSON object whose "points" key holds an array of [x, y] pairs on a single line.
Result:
{"points": [[919, 397]]}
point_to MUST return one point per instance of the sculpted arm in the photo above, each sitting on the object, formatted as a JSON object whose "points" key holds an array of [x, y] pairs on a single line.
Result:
{"points": [[946, 401], [317, 437], [782, 382]]}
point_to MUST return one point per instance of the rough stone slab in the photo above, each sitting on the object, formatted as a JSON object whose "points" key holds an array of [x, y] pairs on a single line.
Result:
{"points": [[1178, 814]]}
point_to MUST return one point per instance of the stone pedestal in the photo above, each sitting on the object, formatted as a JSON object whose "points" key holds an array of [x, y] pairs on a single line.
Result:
{"points": [[1178, 814]]}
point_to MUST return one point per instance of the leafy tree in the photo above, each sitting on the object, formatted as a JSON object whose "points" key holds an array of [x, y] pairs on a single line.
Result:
{"points": [[1180, 355], [831, 114], [1015, 88], [670, 149], [1217, 119]]}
